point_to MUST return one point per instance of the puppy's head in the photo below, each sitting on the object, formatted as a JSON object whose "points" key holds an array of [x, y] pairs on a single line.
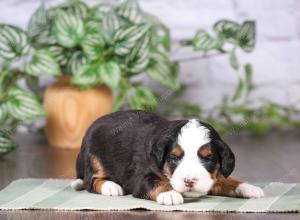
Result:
{"points": [[195, 159]]}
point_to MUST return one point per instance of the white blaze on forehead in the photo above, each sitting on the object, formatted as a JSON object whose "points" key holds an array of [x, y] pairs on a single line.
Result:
{"points": [[193, 135]]}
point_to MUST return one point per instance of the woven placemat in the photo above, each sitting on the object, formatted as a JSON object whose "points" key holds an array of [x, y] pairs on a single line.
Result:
{"points": [[56, 194]]}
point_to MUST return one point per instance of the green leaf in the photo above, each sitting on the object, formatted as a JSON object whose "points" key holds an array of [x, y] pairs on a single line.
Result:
{"points": [[162, 70], [160, 33], [79, 9], [3, 113], [32, 83], [39, 22], [227, 30], [257, 127], [13, 42], [110, 24], [93, 46], [60, 54], [142, 98], [6, 143], [233, 60], [246, 36], [23, 106], [42, 64], [68, 29], [99, 11], [189, 110], [238, 91], [120, 97], [92, 27], [110, 74], [162, 36], [138, 59], [203, 42], [248, 77], [8, 78], [131, 11], [85, 76], [126, 38], [77, 60], [40, 28]]}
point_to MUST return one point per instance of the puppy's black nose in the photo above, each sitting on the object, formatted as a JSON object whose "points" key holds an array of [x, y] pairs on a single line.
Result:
{"points": [[190, 182]]}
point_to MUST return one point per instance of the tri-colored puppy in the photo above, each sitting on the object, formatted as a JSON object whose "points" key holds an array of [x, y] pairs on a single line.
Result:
{"points": [[137, 152]]}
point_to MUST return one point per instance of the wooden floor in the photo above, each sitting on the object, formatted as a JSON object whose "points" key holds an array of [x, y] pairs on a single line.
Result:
{"points": [[275, 158]]}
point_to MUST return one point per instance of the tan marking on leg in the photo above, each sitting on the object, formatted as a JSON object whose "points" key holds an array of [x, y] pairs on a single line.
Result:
{"points": [[162, 186], [99, 174], [225, 186]]}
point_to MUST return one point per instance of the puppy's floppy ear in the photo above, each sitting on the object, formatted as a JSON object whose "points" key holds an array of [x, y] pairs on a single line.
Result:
{"points": [[164, 141], [226, 156]]}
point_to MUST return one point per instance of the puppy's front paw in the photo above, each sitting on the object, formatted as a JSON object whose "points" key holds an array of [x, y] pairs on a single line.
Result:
{"points": [[249, 191], [170, 198], [110, 188]]}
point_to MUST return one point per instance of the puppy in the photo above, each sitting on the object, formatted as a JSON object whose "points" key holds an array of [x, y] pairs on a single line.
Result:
{"points": [[139, 153]]}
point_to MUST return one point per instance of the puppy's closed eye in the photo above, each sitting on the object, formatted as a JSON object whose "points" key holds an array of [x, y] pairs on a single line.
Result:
{"points": [[175, 157], [205, 152]]}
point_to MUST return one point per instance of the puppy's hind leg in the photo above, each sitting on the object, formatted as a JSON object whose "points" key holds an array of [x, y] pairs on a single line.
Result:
{"points": [[98, 180], [107, 187], [78, 184]]}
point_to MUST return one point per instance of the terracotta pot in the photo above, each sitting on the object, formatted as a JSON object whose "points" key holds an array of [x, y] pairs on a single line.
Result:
{"points": [[71, 111]]}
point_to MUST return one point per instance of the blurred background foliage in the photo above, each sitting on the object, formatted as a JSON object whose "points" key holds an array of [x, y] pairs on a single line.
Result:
{"points": [[107, 44]]}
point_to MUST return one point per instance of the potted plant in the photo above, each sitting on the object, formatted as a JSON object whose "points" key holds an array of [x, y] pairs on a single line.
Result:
{"points": [[92, 51], [19, 105]]}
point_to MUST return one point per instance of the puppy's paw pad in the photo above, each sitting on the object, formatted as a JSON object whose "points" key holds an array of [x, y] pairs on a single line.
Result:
{"points": [[249, 191], [110, 188], [170, 198]]}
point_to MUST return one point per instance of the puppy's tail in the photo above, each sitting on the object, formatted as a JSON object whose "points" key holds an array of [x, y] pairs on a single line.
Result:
{"points": [[77, 184]]}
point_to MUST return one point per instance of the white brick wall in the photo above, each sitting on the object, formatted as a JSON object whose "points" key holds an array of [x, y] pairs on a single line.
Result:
{"points": [[276, 58]]}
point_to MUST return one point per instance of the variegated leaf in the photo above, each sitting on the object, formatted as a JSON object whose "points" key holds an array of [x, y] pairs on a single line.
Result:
{"points": [[79, 9], [68, 29], [3, 113], [77, 60], [6, 143], [110, 74], [204, 42], [138, 59], [85, 76], [93, 46], [142, 98], [227, 30], [42, 64], [13, 42], [92, 27], [100, 10], [162, 70], [246, 36], [59, 54], [131, 11], [39, 22], [126, 37], [110, 24], [22, 105], [120, 96]]}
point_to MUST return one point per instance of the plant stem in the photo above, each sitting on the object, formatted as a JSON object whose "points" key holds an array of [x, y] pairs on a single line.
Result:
{"points": [[205, 56]]}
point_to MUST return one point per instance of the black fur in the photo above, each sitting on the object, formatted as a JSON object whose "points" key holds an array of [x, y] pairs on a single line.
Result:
{"points": [[133, 146], [226, 156]]}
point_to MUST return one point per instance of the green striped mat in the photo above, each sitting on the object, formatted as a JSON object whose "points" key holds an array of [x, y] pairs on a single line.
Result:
{"points": [[56, 194]]}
